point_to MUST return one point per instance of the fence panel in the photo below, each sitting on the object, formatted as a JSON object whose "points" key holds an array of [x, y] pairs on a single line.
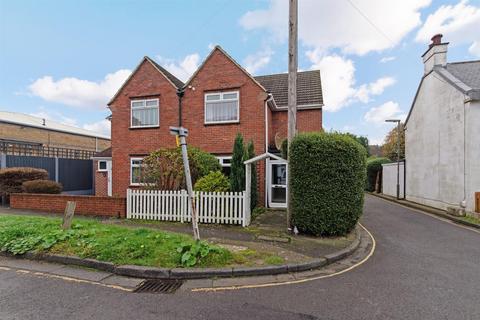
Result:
{"points": [[212, 207], [75, 174], [33, 162]]}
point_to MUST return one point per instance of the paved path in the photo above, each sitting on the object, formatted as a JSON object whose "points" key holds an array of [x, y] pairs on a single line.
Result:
{"points": [[423, 268]]}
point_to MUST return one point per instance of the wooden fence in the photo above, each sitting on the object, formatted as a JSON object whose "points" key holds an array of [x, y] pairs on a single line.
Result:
{"points": [[212, 207]]}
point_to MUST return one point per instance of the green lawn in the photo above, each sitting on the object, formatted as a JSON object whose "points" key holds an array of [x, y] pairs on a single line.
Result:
{"points": [[92, 239], [89, 238]]}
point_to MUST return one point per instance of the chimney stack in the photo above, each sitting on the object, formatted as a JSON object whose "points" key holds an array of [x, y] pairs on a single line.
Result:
{"points": [[436, 54]]}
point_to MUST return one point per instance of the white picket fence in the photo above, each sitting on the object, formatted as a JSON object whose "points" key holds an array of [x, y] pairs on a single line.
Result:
{"points": [[212, 207]]}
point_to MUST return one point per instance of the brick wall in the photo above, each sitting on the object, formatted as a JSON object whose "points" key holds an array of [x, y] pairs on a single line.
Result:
{"points": [[86, 205], [307, 121], [50, 138]]}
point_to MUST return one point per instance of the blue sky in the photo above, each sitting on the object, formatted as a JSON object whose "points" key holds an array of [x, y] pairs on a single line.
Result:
{"points": [[63, 60]]}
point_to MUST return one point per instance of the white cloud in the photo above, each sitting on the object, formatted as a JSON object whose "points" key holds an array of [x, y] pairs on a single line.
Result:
{"points": [[257, 60], [77, 92], [460, 24], [387, 59], [338, 81], [388, 110], [182, 69], [325, 25], [102, 127]]}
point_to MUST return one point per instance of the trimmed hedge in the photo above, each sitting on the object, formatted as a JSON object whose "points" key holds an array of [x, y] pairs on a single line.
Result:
{"points": [[328, 178], [374, 165], [11, 179], [213, 182], [205, 162], [42, 186]]}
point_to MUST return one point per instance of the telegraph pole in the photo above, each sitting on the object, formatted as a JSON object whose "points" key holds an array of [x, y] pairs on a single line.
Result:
{"points": [[292, 92]]}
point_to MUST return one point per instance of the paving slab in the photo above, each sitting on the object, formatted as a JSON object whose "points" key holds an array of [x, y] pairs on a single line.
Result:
{"points": [[82, 273], [29, 264], [122, 281]]}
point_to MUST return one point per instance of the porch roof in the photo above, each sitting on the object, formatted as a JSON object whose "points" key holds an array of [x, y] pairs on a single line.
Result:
{"points": [[263, 156]]}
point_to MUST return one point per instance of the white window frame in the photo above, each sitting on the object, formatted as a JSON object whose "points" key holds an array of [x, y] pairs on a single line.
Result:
{"points": [[222, 159], [145, 107], [221, 93], [106, 166], [131, 171]]}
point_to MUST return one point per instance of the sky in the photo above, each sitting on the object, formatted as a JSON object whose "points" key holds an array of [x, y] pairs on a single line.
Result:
{"points": [[63, 60]]}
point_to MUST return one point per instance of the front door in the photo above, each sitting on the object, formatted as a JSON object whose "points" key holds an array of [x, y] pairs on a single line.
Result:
{"points": [[277, 183]]}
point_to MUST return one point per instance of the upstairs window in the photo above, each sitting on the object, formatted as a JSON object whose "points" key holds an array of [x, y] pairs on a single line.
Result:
{"points": [[144, 113], [222, 107]]}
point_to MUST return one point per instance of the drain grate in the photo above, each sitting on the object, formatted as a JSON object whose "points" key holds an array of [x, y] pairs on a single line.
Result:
{"points": [[158, 286]]}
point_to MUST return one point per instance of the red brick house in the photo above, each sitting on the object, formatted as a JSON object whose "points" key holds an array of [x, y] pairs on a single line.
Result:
{"points": [[218, 101]]}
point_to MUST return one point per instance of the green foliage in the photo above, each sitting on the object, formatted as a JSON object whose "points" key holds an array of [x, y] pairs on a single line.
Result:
{"points": [[42, 186], [215, 181], [362, 140], [374, 166], [91, 239], [11, 179], [389, 148], [258, 211], [237, 171], [193, 253], [249, 154], [204, 161], [328, 171]]}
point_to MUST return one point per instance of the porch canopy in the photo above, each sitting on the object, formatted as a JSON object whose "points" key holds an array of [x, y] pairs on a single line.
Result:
{"points": [[248, 174]]}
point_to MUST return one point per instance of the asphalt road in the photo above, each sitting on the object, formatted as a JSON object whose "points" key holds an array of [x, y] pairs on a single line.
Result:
{"points": [[422, 268]]}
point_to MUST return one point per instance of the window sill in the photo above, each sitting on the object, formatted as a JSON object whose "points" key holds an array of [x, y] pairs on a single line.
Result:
{"points": [[146, 127], [220, 123]]}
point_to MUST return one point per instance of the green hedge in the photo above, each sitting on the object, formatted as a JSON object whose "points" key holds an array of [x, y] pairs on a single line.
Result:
{"points": [[205, 162], [215, 181], [374, 165], [11, 179], [42, 186], [328, 178]]}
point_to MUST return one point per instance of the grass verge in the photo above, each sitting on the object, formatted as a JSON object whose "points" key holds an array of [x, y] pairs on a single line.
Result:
{"points": [[89, 238]]}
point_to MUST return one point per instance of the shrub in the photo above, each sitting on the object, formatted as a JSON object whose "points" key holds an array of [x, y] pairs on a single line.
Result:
{"points": [[42, 186], [204, 161], [237, 172], [249, 154], [374, 166], [328, 178], [284, 149], [11, 179], [213, 182]]}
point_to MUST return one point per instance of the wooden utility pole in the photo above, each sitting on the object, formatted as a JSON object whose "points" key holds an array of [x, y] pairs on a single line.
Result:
{"points": [[292, 91], [183, 133]]}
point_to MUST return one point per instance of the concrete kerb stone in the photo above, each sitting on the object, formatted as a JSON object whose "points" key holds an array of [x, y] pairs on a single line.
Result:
{"points": [[185, 273]]}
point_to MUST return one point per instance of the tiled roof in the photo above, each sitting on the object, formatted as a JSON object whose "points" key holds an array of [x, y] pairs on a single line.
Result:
{"points": [[38, 122], [309, 87], [468, 72], [107, 153], [177, 82]]}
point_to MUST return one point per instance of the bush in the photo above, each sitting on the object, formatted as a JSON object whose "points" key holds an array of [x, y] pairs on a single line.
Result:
{"points": [[237, 172], [11, 179], [328, 178], [284, 149], [374, 166], [213, 182], [42, 186], [204, 161]]}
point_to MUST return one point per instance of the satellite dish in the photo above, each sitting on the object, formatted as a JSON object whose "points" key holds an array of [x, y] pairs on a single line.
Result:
{"points": [[278, 140]]}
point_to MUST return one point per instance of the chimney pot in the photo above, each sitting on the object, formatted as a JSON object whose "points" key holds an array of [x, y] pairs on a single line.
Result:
{"points": [[436, 40]]}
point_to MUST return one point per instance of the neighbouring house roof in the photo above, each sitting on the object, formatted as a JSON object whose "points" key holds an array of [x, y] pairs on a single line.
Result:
{"points": [[42, 123], [107, 153], [464, 75], [468, 72], [309, 88]]}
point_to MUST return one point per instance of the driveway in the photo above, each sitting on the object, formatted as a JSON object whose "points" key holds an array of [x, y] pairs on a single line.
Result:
{"points": [[422, 268]]}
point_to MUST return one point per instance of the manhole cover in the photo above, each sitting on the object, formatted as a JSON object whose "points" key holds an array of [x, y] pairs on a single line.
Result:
{"points": [[158, 286]]}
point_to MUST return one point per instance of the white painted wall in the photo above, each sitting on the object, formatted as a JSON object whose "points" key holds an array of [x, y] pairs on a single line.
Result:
{"points": [[472, 115], [434, 145], [389, 179]]}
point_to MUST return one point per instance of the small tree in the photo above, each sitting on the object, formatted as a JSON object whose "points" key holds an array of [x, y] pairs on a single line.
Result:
{"points": [[250, 153], [237, 171], [389, 148], [362, 140]]}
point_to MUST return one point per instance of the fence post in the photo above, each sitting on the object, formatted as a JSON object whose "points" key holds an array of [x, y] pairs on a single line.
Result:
{"points": [[128, 203], [56, 169], [246, 210], [3, 160]]}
